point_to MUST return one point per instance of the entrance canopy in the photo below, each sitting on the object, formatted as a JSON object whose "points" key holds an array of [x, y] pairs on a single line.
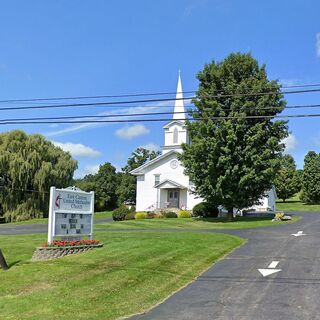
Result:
{"points": [[169, 184]]}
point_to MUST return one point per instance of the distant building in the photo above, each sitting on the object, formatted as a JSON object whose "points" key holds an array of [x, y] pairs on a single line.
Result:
{"points": [[161, 182]]}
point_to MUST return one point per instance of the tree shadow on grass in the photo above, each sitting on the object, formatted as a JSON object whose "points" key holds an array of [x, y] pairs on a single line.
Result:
{"points": [[11, 264], [237, 219]]}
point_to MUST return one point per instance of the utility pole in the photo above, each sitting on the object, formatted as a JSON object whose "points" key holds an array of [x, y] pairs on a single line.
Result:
{"points": [[3, 263]]}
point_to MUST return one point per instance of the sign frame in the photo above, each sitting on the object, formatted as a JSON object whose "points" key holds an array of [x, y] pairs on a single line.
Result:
{"points": [[53, 209]]}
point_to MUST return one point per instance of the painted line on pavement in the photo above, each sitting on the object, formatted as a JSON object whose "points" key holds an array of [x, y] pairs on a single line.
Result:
{"points": [[270, 270]]}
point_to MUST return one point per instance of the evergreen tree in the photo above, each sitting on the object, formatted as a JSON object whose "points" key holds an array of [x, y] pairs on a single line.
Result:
{"points": [[29, 166], [233, 161], [287, 180], [311, 178]]}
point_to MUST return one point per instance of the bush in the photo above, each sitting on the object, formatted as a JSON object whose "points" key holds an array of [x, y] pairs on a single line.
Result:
{"points": [[279, 216], [120, 213], [140, 215], [184, 214], [151, 215], [170, 214], [130, 216], [158, 216], [205, 210]]}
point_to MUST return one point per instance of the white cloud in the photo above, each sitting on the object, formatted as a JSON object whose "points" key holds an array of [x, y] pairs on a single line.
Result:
{"points": [[89, 169], [129, 132], [151, 147], [318, 44], [290, 143], [78, 149]]}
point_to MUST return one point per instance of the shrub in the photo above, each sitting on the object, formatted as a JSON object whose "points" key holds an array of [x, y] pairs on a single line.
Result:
{"points": [[130, 216], [205, 210], [132, 209], [140, 215], [151, 215], [279, 216], [170, 214], [158, 216], [120, 213], [184, 214]]}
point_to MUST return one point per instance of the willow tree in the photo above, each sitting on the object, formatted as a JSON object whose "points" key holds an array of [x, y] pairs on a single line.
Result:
{"points": [[29, 165], [234, 155]]}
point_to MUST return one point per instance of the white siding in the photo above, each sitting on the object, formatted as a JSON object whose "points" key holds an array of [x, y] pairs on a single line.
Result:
{"points": [[147, 194]]}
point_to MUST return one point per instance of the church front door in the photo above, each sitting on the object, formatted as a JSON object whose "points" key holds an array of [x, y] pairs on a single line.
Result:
{"points": [[173, 198]]}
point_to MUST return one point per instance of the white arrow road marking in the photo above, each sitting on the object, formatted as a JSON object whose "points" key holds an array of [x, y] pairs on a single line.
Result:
{"points": [[267, 272], [271, 269], [298, 234], [273, 264]]}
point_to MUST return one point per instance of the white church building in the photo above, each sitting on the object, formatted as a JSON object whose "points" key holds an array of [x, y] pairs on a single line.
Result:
{"points": [[161, 182]]}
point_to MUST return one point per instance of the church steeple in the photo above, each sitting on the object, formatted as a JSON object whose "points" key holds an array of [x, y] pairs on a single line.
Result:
{"points": [[179, 105], [175, 132]]}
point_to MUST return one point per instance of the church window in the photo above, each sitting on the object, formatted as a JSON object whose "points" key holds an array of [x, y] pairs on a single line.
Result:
{"points": [[175, 135], [156, 179]]}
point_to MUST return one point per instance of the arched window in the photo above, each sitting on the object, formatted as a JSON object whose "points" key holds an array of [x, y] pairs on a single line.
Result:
{"points": [[175, 135]]}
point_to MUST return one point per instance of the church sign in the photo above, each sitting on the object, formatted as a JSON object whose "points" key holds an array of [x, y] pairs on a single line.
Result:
{"points": [[70, 213]]}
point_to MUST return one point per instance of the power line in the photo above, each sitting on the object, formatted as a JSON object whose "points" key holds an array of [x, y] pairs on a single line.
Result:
{"points": [[130, 95], [119, 103], [148, 114], [163, 119]]}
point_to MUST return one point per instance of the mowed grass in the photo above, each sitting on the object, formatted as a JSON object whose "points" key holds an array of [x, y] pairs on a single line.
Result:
{"points": [[131, 273], [193, 223], [294, 204]]}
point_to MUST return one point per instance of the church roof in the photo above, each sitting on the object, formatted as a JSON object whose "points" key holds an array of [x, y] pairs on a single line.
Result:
{"points": [[172, 122], [169, 184], [140, 170]]}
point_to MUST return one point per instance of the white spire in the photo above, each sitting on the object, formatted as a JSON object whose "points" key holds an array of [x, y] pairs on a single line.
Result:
{"points": [[179, 105]]}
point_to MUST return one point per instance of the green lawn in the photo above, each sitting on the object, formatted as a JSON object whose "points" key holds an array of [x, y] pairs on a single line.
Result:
{"points": [[132, 272], [294, 204], [193, 223]]}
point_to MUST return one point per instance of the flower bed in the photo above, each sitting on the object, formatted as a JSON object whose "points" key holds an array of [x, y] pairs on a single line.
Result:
{"points": [[61, 248]]}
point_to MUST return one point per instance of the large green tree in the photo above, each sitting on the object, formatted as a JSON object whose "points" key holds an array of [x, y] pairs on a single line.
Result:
{"points": [[232, 159], [311, 178], [126, 190], [29, 166], [104, 183], [138, 158], [287, 180]]}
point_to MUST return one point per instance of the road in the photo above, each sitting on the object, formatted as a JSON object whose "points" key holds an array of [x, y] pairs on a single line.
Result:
{"points": [[234, 288]]}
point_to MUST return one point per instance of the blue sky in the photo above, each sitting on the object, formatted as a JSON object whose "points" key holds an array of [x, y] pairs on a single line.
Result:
{"points": [[85, 48]]}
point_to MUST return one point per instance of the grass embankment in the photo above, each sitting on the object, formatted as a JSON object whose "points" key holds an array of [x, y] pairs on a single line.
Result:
{"points": [[193, 223], [294, 204], [132, 272]]}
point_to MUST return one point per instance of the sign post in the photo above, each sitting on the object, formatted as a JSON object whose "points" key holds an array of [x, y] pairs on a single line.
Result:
{"points": [[70, 213]]}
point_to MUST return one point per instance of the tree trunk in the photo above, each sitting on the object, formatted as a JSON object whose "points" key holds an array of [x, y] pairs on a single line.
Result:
{"points": [[230, 215]]}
